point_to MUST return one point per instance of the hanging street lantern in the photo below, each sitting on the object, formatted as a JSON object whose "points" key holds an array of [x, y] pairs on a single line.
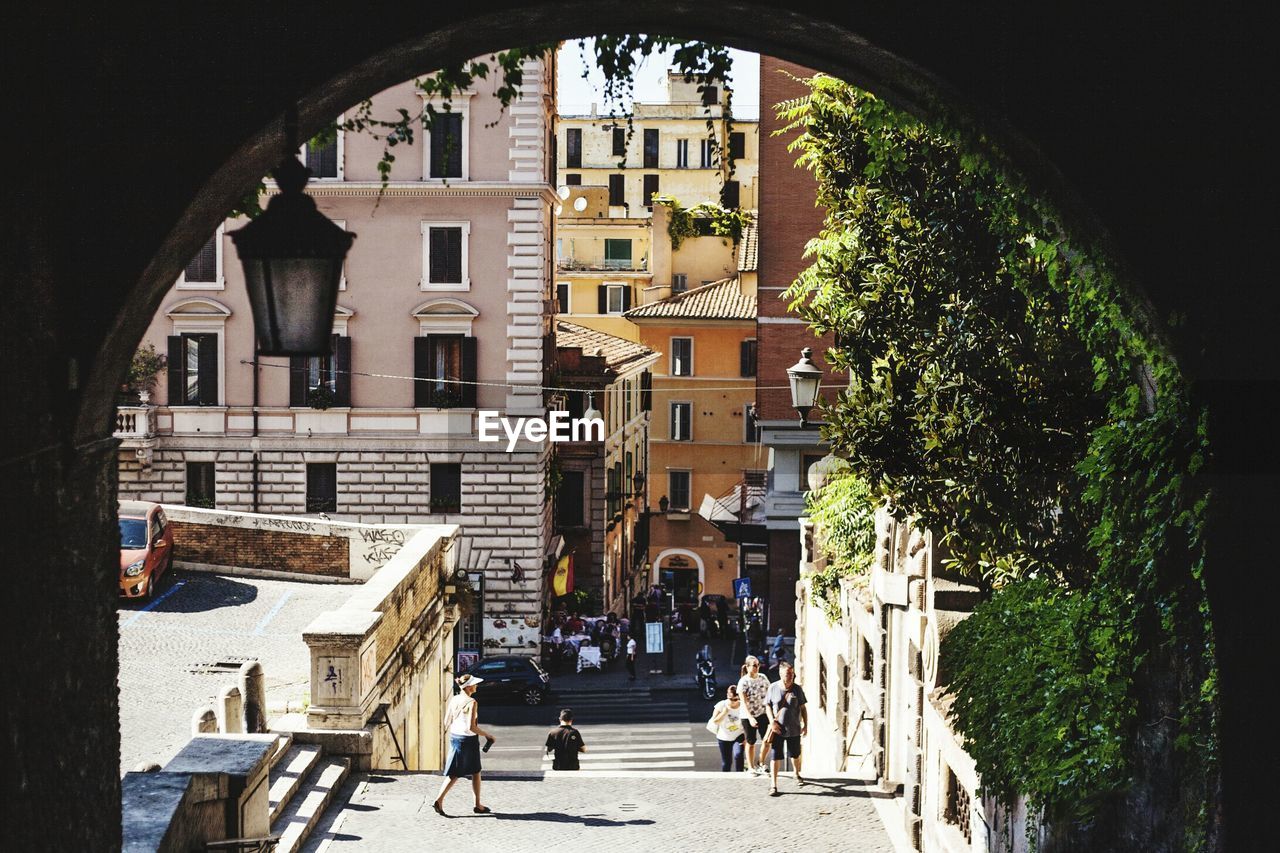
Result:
{"points": [[292, 256], [804, 377]]}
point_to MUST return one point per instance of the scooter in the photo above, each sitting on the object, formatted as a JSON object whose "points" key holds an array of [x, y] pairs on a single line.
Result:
{"points": [[706, 673]]}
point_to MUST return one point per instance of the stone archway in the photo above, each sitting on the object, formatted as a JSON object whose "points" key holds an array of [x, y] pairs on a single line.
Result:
{"points": [[139, 135]]}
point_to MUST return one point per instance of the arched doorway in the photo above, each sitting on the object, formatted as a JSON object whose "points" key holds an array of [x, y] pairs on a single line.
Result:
{"points": [[96, 242]]}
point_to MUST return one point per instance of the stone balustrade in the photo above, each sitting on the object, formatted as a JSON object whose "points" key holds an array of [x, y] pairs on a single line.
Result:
{"points": [[135, 423], [380, 665]]}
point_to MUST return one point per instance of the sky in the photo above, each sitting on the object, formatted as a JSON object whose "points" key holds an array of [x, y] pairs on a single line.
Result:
{"points": [[576, 95]]}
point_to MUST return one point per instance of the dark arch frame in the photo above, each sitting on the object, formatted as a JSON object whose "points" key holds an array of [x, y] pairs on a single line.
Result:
{"points": [[1087, 107]]}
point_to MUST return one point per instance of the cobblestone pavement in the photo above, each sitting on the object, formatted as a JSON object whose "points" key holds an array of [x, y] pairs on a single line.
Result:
{"points": [[390, 812], [202, 619]]}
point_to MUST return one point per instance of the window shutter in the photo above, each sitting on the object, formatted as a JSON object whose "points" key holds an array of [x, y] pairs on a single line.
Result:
{"points": [[748, 358], [208, 377], [439, 255], [438, 146], [421, 371], [738, 146], [297, 380], [617, 190], [342, 370], [731, 195], [602, 293], [646, 391], [650, 148], [650, 189], [453, 150], [453, 237], [175, 370], [619, 142], [470, 371], [626, 298]]}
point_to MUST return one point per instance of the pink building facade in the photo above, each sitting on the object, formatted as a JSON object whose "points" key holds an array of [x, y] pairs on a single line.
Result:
{"points": [[444, 311]]}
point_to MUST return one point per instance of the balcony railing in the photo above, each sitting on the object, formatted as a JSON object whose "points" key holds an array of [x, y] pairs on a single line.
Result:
{"points": [[135, 423], [602, 264]]}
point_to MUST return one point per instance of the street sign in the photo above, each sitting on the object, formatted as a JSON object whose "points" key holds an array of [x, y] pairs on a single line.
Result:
{"points": [[653, 637], [742, 587]]}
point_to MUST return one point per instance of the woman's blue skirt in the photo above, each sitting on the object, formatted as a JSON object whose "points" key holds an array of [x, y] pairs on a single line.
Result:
{"points": [[464, 756]]}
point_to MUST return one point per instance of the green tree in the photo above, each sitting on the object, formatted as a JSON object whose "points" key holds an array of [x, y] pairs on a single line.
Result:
{"points": [[1003, 391], [971, 397]]}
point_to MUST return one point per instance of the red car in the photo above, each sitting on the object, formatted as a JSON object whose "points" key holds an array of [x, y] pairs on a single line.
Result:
{"points": [[146, 548]]}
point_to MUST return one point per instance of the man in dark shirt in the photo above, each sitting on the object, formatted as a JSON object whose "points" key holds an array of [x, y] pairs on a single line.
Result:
{"points": [[565, 742]]}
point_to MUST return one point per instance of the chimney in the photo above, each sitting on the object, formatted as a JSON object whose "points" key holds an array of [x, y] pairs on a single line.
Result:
{"points": [[593, 109]]}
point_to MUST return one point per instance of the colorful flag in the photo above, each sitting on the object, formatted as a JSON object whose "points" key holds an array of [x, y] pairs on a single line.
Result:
{"points": [[562, 582]]}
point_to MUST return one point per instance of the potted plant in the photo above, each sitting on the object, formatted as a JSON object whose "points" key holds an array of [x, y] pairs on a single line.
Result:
{"points": [[143, 369], [321, 397]]}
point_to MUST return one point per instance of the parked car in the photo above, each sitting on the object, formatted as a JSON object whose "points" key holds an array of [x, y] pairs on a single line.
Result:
{"points": [[512, 677], [146, 548]]}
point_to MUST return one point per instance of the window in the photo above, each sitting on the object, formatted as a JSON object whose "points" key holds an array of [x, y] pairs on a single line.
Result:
{"points": [[822, 683], [747, 357], [570, 499], [573, 147], [650, 189], [617, 254], [201, 490], [682, 356], [444, 259], [651, 148], [646, 391], [205, 269], [710, 95], [447, 144], [445, 367], [750, 425], [193, 369], [562, 297], [620, 142], [738, 145], [678, 487], [573, 179], [446, 487], [731, 195], [617, 298], [682, 153], [322, 487], [322, 381], [708, 154], [679, 282], [322, 156], [681, 415], [617, 190]]}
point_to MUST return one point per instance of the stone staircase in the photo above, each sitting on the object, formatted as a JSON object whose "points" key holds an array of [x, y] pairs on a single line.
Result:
{"points": [[303, 782]]}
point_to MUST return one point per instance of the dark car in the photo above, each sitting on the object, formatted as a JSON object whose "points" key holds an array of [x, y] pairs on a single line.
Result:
{"points": [[512, 677]]}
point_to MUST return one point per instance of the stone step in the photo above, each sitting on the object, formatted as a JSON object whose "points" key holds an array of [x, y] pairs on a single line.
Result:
{"points": [[284, 740], [309, 804], [287, 774]]}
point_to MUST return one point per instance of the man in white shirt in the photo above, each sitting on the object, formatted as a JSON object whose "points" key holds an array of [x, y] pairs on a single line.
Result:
{"points": [[631, 658]]}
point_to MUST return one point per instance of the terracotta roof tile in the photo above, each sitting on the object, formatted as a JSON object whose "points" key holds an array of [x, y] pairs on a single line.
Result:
{"points": [[615, 351], [748, 246], [720, 300]]}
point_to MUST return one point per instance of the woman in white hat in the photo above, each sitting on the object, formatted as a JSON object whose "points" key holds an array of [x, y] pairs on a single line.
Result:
{"points": [[464, 742]]}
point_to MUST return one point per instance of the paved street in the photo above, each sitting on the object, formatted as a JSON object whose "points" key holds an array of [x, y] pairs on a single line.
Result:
{"points": [[388, 812], [171, 652], [623, 730]]}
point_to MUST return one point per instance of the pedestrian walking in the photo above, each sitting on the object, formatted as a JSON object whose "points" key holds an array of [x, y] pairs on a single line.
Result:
{"points": [[788, 723], [753, 688], [726, 722], [779, 649], [565, 742], [631, 658], [464, 742]]}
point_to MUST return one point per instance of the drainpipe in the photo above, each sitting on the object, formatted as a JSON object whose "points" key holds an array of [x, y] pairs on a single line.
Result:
{"points": [[254, 441]]}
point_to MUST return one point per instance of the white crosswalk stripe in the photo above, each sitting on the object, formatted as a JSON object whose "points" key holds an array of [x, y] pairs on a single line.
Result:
{"points": [[631, 731]]}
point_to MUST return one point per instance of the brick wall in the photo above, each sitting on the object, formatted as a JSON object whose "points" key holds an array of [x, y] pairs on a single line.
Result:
{"points": [[274, 550], [788, 219]]}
